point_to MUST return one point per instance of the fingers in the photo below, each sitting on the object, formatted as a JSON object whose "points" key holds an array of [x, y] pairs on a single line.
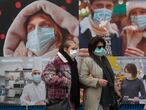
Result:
{"points": [[102, 82], [40, 103], [131, 27], [131, 30], [130, 51], [136, 99], [60, 81], [29, 53], [21, 50], [27, 98]]}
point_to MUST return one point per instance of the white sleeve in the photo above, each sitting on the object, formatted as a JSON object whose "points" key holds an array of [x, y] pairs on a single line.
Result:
{"points": [[45, 91], [25, 99]]}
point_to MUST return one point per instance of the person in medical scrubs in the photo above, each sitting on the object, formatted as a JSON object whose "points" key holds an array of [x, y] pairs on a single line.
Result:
{"points": [[35, 92]]}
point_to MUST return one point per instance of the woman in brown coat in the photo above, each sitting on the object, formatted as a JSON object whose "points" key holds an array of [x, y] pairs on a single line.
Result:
{"points": [[98, 78]]}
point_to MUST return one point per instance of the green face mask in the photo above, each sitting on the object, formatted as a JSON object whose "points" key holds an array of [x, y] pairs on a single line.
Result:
{"points": [[99, 52]]}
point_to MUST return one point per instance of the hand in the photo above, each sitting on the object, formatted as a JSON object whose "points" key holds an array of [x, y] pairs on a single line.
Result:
{"points": [[102, 82], [125, 98], [40, 103], [66, 81], [21, 50], [54, 79], [136, 99], [100, 29], [81, 95], [58, 80], [131, 51], [118, 86], [27, 98], [133, 35]]}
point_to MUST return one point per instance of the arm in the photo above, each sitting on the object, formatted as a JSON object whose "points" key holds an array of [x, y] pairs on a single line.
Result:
{"points": [[131, 37], [21, 50], [51, 77], [85, 75], [25, 99], [118, 89], [142, 90]]}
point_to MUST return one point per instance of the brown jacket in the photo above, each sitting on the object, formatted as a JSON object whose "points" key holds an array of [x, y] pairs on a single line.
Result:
{"points": [[89, 74]]}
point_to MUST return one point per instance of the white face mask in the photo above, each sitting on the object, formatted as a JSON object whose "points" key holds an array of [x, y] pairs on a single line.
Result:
{"points": [[36, 78], [102, 14], [140, 76], [73, 53], [140, 21], [40, 39]]}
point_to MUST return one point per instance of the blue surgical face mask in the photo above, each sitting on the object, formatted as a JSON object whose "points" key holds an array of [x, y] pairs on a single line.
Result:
{"points": [[36, 78], [73, 53], [102, 14], [40, 39], [140, 21], [99, 52]]}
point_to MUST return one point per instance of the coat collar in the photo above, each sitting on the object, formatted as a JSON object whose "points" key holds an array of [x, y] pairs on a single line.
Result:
{"points": [[62, 57]]}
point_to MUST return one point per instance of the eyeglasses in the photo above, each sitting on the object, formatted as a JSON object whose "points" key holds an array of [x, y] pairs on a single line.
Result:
{"points": [[100, 47], [35, 73]]}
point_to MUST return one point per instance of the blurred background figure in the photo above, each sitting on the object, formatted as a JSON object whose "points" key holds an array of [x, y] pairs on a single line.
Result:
{"points": [[133, 35], [38, 30], [35, 92], [131, 86], [99, 23]]}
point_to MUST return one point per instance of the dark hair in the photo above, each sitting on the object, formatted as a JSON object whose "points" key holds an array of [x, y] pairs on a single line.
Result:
{"points": [[93, 42], [131, 68], [66, 44]]}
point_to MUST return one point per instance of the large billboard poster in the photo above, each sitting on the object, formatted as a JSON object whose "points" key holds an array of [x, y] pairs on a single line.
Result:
{"points": [[31, 32], [16, 78], [123, 82], [123, 32], [119, 24], [29, 29], [21, 19]]}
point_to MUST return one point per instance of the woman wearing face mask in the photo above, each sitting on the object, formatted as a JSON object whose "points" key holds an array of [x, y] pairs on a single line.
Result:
{"points": [[61, 76], [99, 23], [98, 78], [131, 86], [38, 30], [134, 40], [34, 93]]}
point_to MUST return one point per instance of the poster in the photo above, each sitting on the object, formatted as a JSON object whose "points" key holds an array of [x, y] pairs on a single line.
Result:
{"points": [[119, 65], [67, 19], [14, 26], [15, 74]]}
